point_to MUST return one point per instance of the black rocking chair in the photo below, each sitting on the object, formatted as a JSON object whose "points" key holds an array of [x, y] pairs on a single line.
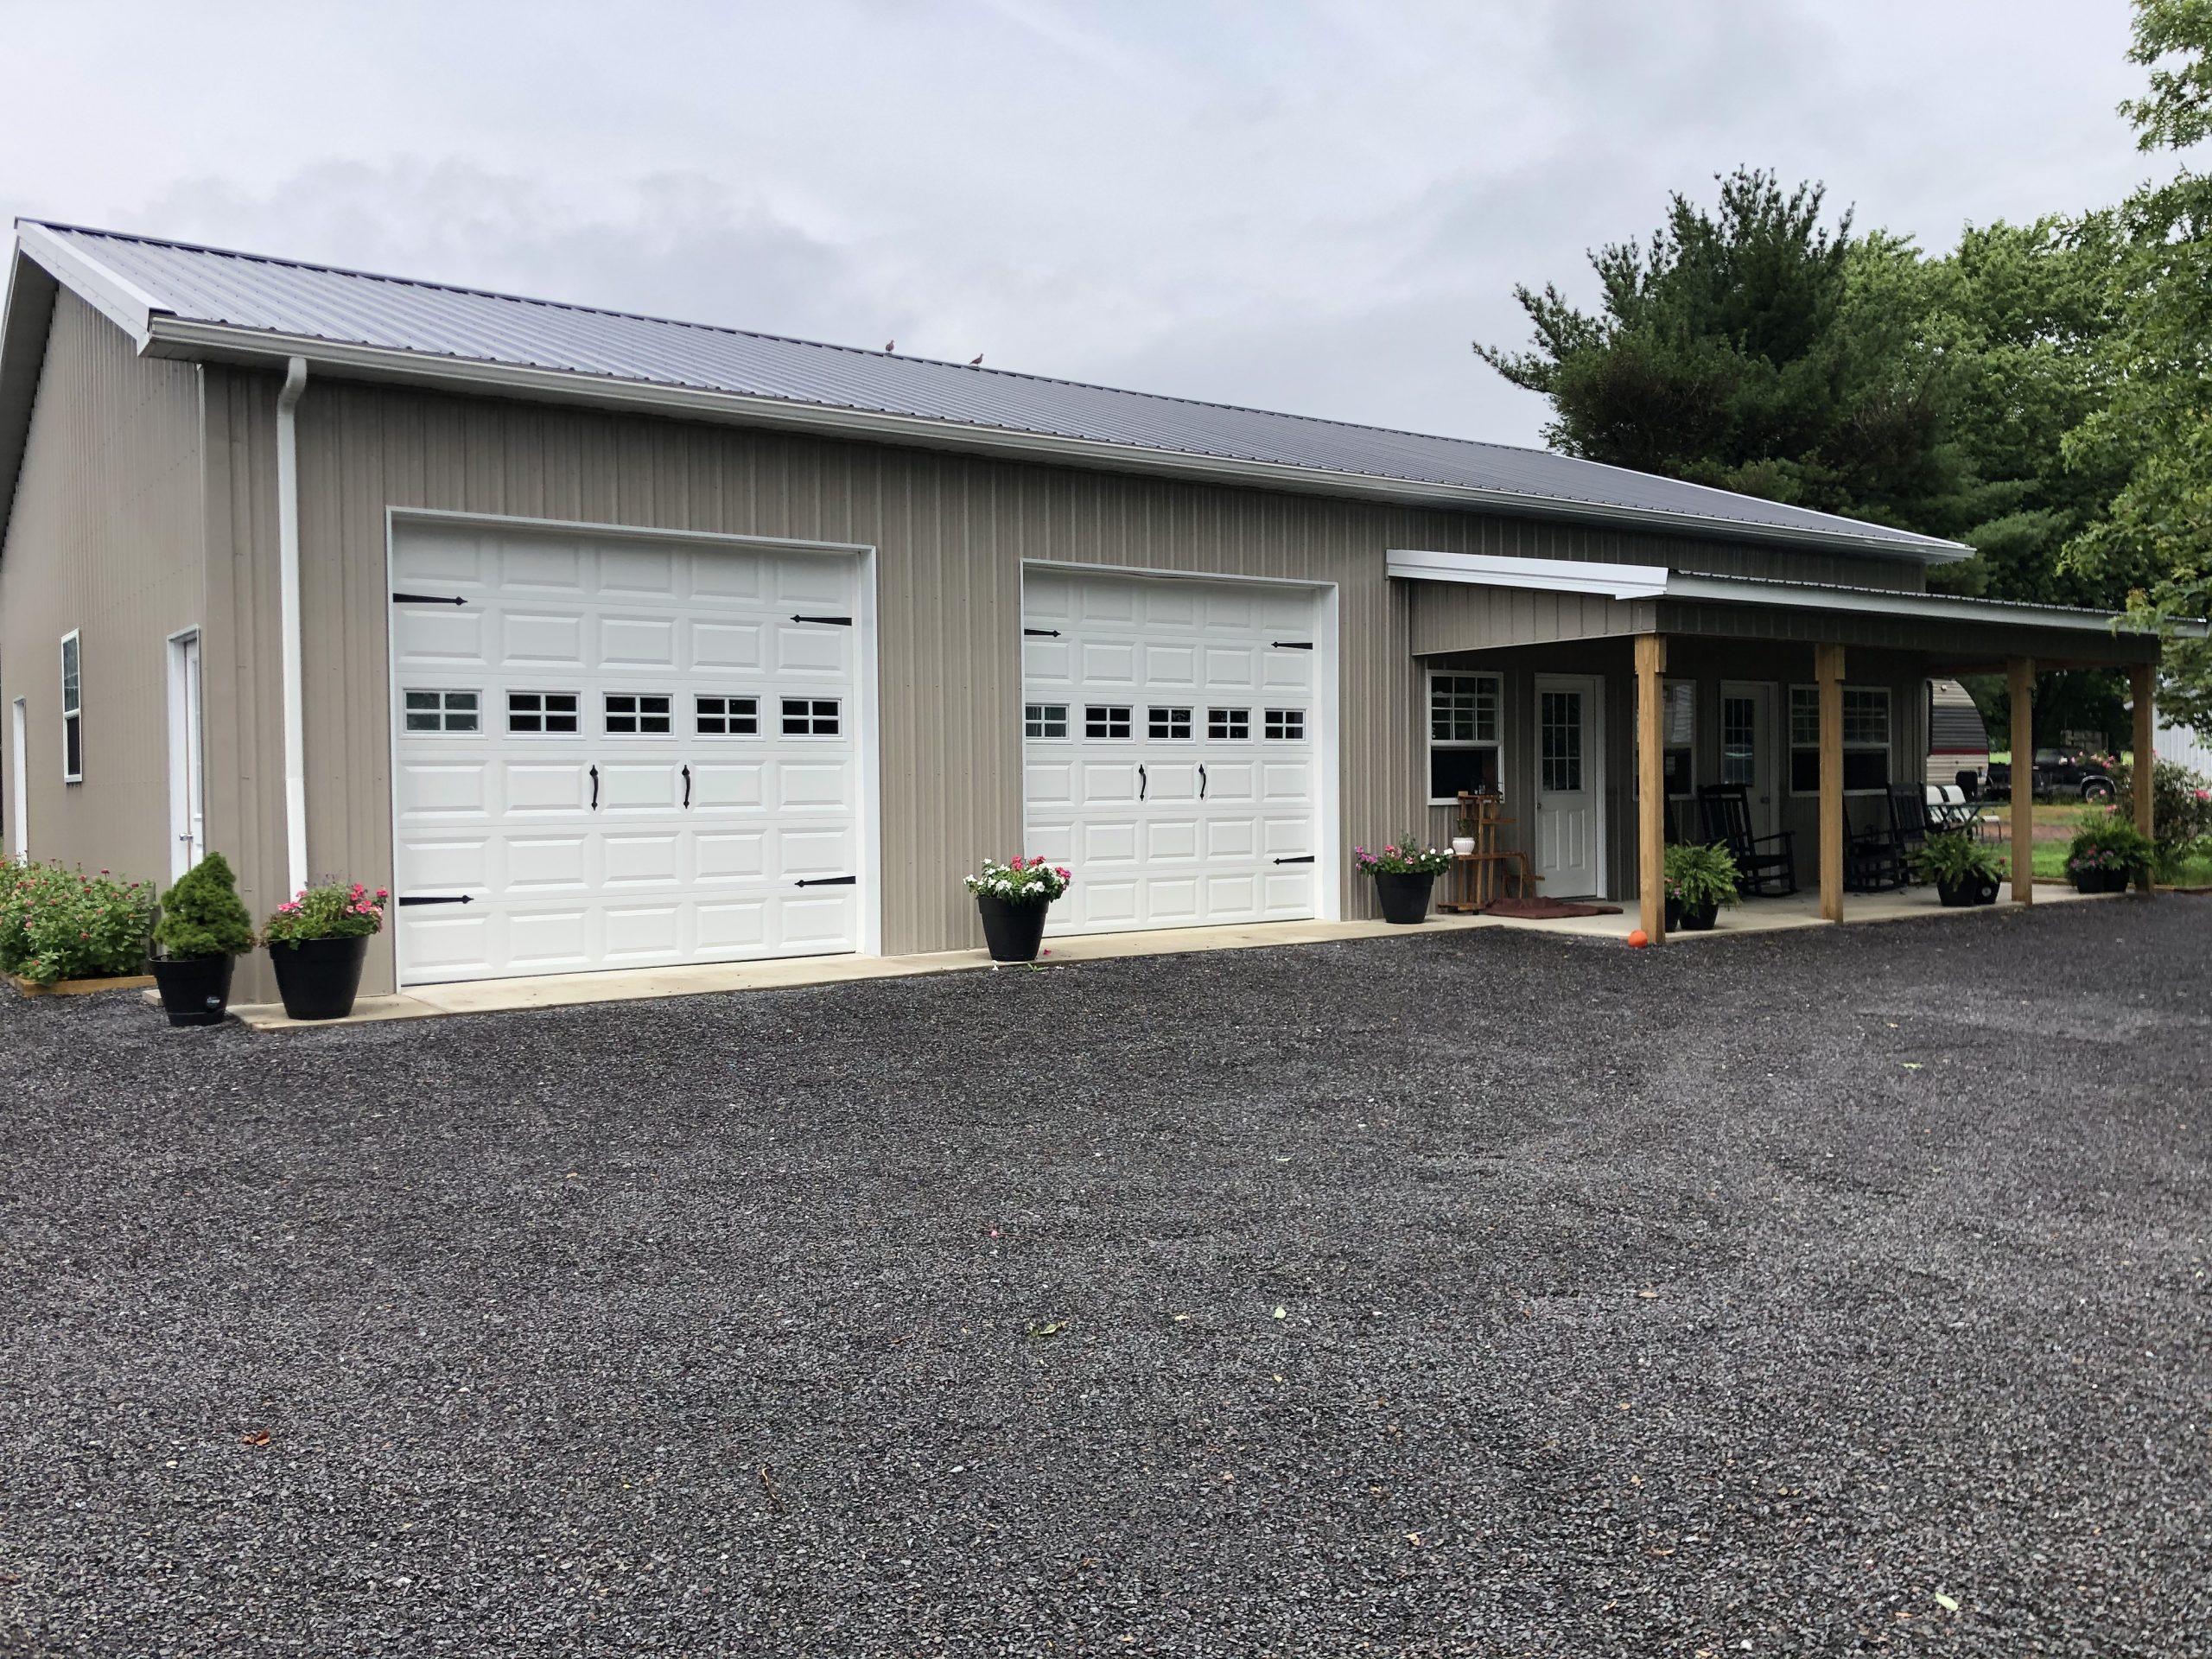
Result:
{"points": [[1766, 866], [1880, 858]]}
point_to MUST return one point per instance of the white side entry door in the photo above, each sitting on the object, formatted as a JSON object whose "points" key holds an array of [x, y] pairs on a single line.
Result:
{"points": [[1570, 786]]}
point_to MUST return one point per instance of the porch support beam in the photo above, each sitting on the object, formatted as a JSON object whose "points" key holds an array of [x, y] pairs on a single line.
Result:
{"points": [[2021, 672], [2142, 772], [1651, 788], [1827, 675]]}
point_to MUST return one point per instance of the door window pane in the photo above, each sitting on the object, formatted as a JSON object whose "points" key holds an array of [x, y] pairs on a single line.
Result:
{"points": [[441, 711], [1561, 723], [542, 711], [1169, 722], [1232, 723], [635, 714], [810, 718], [1288, 724], [1045, 720], [1106, 719], [722, 716], [1739, 737]]}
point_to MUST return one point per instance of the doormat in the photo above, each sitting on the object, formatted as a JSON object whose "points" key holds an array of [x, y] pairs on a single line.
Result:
{"points": [[1546, 910]]}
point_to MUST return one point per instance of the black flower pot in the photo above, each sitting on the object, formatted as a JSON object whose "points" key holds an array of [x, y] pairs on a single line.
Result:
{"points": [[1012, 931], [319, 978], [195, 990], [1405, 898], [1674, 913], [1698, 918], [2101, 880], [1967, 892]]}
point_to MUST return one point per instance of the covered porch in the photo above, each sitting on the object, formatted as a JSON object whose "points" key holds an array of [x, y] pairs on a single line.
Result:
{"points": [[1602, 699]]}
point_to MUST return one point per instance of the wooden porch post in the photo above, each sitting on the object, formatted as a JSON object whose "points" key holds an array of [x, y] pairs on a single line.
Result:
{"points": [[2022, 670], [1828, 675], [1651, 788], [2146, 682]]}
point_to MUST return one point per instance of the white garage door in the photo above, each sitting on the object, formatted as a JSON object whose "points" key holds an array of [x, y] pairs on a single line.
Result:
{"points": [[620, 753], [1170, 745]]}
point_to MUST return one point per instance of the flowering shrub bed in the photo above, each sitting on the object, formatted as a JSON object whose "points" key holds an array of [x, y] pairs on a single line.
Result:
{"points": [[329, 912], [2181, 809], [1023, 881], [1405, 858], [58, 923]]}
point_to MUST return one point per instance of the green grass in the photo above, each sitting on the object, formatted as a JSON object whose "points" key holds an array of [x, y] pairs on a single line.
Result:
{"points": [[2051, 866]]}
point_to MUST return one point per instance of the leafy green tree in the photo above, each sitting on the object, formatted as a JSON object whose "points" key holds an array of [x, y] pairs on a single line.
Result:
{"points": [[1753, 348], [2155, 427], [203, 915]]}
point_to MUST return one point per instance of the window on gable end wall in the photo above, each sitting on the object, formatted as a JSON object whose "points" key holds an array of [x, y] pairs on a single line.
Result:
{"points": [[72, 709], [1866, 740], [1465, 716]]}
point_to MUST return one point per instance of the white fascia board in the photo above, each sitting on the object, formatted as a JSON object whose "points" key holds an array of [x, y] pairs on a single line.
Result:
{"points": [[122, 302], [1924, 607], [1550, 576], [177, 336]]}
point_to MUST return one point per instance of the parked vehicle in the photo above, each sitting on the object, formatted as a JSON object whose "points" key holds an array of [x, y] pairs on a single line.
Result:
{"points": [[2060, 775], [1958, 737]]}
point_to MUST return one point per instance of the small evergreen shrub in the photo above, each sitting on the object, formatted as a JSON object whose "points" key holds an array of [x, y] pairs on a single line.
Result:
{"points": [[203, 915], [58, 923], [333, 911]]}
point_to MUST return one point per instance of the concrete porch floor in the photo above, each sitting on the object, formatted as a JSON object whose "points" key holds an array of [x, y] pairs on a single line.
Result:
{"points": [[561, 990]]}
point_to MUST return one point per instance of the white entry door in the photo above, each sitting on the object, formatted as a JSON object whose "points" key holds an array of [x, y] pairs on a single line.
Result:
{"points": [[1570, 786], [616, 752], [1747, 749], [1172, 748]]}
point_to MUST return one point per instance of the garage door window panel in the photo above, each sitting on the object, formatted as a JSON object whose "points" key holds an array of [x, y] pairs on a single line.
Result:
{"points": [[551, 714], [1229, 725], [453, 713], [1045, 720], [1286, 725], [1173, 725], [726, 717], [1106, 721], [811, 717], [632, 713]]}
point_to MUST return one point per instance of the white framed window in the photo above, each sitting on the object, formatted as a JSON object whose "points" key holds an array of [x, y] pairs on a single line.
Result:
{"points": [[553, 713], [72, 709], [1866, 740], [1235, 724], [1106, 719], [1045, 720], [1168, 722], [441, 711], [1285, 725], [726, 716], [637, 713], [1677, 740], [1465, 750], [810, 716]]}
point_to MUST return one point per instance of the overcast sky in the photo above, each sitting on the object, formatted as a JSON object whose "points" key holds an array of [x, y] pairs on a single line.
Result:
{"points": [[1300, 205]]}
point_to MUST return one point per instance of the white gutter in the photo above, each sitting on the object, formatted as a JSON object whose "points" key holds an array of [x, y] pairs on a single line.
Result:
{"points": [[287, 567], [174, 336], [1627, 581]]}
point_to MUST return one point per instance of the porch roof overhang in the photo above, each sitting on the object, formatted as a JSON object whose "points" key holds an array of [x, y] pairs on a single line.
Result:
{"points": [[1482, 601]]}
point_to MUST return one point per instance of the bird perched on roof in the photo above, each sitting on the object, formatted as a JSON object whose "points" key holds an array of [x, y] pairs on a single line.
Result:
{"points": [[976, 362], [890, 345]]}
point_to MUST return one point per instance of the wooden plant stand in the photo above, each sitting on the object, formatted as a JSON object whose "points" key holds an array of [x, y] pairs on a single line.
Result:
{"points": [[1478, 879]]}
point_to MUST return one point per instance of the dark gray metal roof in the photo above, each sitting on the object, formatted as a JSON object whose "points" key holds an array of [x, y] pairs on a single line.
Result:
{"points": [[286, 300]]}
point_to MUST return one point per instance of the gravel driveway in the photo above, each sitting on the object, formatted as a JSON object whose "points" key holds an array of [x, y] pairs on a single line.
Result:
{"points": [[1483, 1293]]}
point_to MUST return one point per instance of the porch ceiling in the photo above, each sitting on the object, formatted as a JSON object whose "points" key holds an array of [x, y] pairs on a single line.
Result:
{"points": [[1468, 602]]}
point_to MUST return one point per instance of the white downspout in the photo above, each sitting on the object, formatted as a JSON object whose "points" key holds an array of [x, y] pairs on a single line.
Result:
{"points": [[288, 547]]}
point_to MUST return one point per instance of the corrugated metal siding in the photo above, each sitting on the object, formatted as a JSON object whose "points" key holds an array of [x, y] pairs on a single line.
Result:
{"points": [[1450, 616], [317, 302], [105, 539]]}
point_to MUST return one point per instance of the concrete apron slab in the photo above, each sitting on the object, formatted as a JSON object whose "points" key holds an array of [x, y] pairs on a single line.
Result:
{"points": [[565, 990]]}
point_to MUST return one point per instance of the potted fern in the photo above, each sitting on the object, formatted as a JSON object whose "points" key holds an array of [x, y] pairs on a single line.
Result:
{"points": [[1964, 872], [318, 943], [1700, 881], [203, 931]]}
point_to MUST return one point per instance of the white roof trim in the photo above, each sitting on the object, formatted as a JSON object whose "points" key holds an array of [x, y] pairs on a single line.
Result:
{"points": [[122, 302], [1627, 581]]}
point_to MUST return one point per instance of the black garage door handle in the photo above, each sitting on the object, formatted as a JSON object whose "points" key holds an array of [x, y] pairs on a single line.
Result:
{"points": [[595, 789], [687, 786], [1141, 783], [1201, 780], [827, 882]]}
